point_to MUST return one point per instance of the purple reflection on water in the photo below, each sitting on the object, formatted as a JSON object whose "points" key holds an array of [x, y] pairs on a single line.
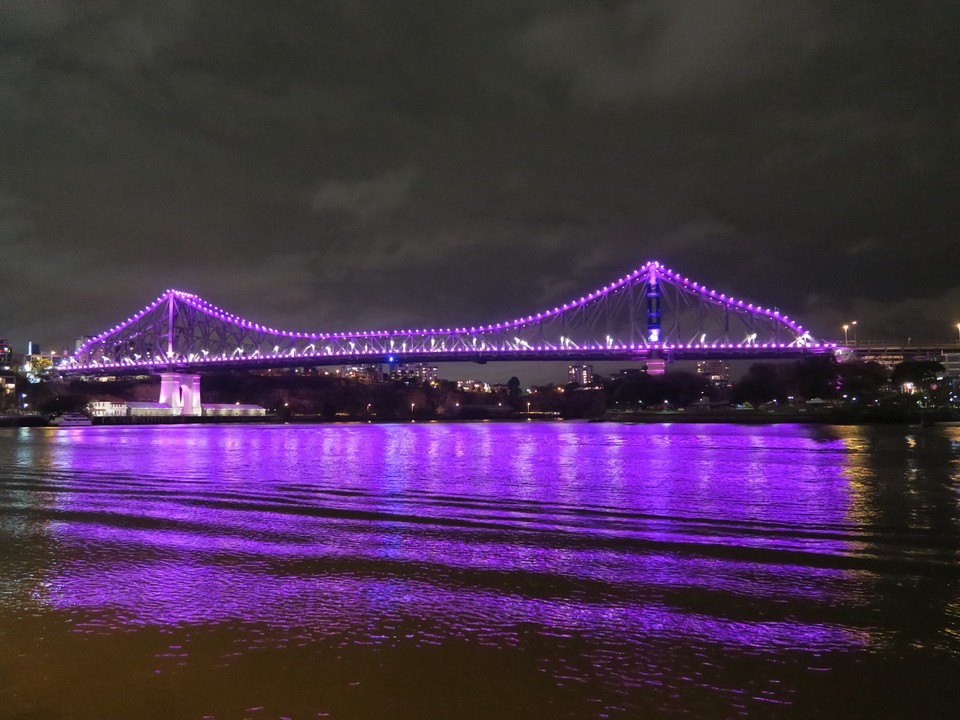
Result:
{"points": [[728, 562], [742, 474], [614, 514]]}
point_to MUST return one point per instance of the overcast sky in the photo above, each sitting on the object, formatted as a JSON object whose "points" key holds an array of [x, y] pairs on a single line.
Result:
{"points": [[357, 164]]}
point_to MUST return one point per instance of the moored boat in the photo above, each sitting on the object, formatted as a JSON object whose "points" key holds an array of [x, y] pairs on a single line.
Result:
{"points": [[71, 419]]}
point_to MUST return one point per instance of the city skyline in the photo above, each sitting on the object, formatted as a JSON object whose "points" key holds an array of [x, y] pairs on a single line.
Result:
{"points": [[353, 166]]}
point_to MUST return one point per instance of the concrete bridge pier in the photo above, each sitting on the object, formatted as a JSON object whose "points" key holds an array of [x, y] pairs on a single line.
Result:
{"points": [[181, 391]]}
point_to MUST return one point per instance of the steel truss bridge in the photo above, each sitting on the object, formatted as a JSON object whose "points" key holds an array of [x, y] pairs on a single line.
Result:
{"points": [[650, 313]]}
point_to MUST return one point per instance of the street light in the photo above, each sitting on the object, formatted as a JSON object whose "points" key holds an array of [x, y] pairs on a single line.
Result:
{"points": [[958, 333], [854, 323], [845, 329]]}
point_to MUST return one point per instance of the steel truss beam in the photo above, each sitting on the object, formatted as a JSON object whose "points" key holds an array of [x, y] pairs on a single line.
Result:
{"points": [[651, 312]]}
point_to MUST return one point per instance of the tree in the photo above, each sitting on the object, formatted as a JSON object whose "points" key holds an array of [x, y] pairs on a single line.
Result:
{"points": [[815, 377], [684, 388], [922, 373], [862, 380], [513, 392], [763, 382]]}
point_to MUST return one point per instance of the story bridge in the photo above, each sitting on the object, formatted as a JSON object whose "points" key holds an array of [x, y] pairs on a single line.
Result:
{"points": [[652, 313]]}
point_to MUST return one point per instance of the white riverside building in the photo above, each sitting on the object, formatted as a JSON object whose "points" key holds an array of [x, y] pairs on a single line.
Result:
{"points": [[108, 409], [234, 410]]}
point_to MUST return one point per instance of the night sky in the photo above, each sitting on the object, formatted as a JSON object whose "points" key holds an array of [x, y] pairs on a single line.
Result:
{"points": [[357, 165]]}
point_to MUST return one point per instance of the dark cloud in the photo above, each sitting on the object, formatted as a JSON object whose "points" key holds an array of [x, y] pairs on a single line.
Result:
{"points": [[353, 164], [622, 53]]}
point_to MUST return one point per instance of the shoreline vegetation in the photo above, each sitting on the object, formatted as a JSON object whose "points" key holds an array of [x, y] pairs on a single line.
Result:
{"points": [[814, 390]]}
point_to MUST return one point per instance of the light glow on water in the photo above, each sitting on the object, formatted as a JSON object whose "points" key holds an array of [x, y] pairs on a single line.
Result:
{"points": [[537, 569]]}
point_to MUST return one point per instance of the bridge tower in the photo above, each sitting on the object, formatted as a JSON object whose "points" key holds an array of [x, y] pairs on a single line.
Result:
{"points": [[653, 304], [181, 391]]}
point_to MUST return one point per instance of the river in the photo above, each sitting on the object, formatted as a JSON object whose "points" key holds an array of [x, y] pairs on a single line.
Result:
{"points": [[489, 570]]}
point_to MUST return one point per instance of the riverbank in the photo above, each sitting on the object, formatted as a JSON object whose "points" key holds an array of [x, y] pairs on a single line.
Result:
{"points": [[825, 416], [41, 421], [22, 421]]}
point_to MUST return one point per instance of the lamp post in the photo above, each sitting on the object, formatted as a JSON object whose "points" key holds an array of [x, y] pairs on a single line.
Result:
{"points": [[958, 333], [854, 323], [845, 329]]}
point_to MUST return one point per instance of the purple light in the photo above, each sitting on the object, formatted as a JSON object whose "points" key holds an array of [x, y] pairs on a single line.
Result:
{"points": [[649, 272]]}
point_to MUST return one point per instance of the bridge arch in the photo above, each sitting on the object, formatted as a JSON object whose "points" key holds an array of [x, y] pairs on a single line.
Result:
{"points": [[651, 312]]}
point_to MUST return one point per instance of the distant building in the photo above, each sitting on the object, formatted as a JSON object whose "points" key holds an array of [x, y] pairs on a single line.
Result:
{"points": [[81, 341], [105, 409], [235, 410], [8, 391], [475, 386], [149, 409], [951, 364], [580, 373], [33, 348], [363, 373], [716, 371], [6, 354], [418, 371]]}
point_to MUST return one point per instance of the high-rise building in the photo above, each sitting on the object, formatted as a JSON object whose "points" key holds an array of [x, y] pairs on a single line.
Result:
{"points": [[716, 371], [951, 365], [418, 371], [580, 373], [8, 390], [6, 353], [82, 340], [33, 348]]}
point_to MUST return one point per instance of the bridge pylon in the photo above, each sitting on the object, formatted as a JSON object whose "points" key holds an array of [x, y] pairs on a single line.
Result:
{"points": [[653, 305], [181, 391]]}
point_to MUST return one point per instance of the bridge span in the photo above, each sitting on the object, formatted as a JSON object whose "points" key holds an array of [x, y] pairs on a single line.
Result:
{"points": [[652, 313]]}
